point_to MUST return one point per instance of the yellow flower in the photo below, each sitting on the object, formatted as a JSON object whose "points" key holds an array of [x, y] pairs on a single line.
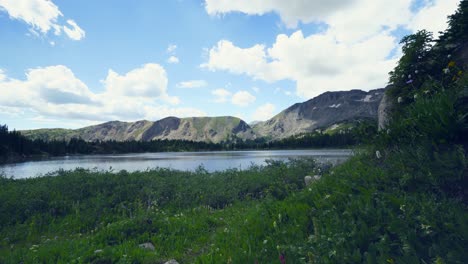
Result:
{"points": [[451, 64], [460, 73]]}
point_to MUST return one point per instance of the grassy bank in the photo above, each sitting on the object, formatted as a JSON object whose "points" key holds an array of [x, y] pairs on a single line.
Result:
{"points": [[355, 213]]}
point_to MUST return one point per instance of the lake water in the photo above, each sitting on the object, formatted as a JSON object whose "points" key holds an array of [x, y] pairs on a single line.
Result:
{"points": [[212, 161]]}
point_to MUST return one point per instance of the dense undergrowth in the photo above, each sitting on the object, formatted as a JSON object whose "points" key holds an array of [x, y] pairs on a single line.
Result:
{"points": [[401, 200]]}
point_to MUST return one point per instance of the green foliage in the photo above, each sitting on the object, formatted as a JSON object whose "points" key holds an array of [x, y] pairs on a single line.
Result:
{"points": [[401, 200]]}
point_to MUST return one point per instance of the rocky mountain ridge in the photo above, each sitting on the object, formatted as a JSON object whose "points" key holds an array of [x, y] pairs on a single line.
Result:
{"points": [[323, 111]]}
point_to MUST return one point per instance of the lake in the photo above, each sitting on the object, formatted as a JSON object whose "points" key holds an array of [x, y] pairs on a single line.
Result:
{"points": [[211, 161]]}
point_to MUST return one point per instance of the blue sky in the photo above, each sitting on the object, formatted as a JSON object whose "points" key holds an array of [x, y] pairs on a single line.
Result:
{"points": [[76, 63]]}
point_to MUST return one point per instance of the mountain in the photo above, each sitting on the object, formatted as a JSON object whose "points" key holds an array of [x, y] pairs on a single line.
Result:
{"points": [[327, 110], [208, 129], [330, 110]]}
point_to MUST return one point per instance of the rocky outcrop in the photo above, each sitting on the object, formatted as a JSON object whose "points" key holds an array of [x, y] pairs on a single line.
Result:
{"points": [[322, 111], [386, 106]]}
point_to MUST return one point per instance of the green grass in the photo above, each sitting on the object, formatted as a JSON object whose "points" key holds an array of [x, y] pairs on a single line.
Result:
{"points": [[355, 213]]}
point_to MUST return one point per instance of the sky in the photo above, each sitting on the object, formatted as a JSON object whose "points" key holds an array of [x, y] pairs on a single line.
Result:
{"points": [[71, 64]]}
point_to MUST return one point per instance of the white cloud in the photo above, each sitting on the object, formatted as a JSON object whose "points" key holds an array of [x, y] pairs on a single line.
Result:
{"points": [[433, 17], [242, 98], [74, 32], [291, 11], [42, 15], [2, 75], [221, 95], [171, 48], [173, 60], [226, 56], [264, 112], [55, 92], [353, 52], [192, 84], [316, 63], [150, 80], [256, 89]]}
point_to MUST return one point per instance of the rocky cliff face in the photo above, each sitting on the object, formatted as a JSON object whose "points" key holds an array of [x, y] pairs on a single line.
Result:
{"points": [[386, 106], [322, 111]]}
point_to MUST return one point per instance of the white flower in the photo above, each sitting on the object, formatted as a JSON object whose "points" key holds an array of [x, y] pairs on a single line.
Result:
{"points": [[265, 241], [378, 155], [449, 56], [416, 71], [446, 70], [409, 76], [400, 100], [415, 96]]}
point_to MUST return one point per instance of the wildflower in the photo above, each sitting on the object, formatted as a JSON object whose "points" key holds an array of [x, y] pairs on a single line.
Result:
{"points": [[400, 100], [451, 64], [416, 71], [415, 96], [388, 131], [265, 241], [377, 154], [275, 225], [426, 91], [446, 70], [460, 72], [226, 230], [449, 56], [402, 207], [327, 196], [409, 81], [409, 76]]}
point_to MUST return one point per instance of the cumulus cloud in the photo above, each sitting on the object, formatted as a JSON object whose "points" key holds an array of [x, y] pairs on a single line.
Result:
{"points": [[290, 11], [242, 98], [264, 112], [316, 63], [173, 60], [433, 17], [221, 95], [56, 92], [150, 80], [192, 84], [355, 51], [43, 16]]}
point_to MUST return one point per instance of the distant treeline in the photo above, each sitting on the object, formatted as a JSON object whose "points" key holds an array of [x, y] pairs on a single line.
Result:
{"points": [[14, 146]]}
